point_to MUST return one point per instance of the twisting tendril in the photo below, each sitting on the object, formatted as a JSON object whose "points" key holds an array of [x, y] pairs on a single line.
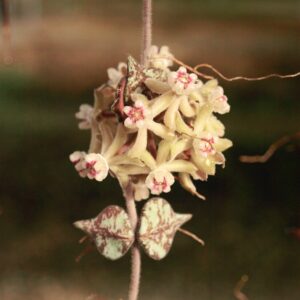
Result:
{"points": [[208, 66]]}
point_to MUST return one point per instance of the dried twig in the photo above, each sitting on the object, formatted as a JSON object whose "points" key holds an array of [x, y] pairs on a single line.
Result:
{"points": [[237, 292], [271, 150]]}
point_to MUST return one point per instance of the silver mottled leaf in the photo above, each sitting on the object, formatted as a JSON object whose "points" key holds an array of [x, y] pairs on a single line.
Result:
{"points": [[111, 231], [137, 75], [158, 226]]}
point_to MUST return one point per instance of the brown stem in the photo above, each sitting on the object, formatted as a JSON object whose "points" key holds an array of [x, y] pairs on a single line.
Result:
{"points": [[147, 30], [128, 190], [135, 251], [271, 150]]}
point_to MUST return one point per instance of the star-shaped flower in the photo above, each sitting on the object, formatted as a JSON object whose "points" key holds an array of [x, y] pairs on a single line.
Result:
{"points": [[205, 144], [160, 58], [136, 115], [96, 166], [140, 116], [85, 115], [115, 75], [159, 181], [161, 177], [219, 101], [182, 82]]}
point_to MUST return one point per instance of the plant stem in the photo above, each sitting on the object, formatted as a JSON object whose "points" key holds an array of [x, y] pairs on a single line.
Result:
{"points": [[135, 251], [128, 191], [147, 30]]}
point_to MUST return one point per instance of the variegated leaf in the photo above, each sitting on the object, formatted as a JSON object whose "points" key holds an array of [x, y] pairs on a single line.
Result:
{"points": [[111, 231], [158, 226], [137, 75]]}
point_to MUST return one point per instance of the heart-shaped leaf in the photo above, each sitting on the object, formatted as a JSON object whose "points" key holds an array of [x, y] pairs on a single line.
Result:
{"points": [[111, 231], [158, 226], [137, 74]]}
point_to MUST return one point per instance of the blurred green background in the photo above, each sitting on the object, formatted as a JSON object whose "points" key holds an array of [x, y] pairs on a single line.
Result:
{"points": [[61, 50]]}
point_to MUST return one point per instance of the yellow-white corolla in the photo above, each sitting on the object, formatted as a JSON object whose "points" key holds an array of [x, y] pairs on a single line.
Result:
{"points": [[140, 117], [166, 131], [160, 58], [110, 158]]}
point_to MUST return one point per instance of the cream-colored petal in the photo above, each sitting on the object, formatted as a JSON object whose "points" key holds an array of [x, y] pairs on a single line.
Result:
{"points": [[180, 146], [107, 130], [223, 144], [140, 143], [118, 141], [148, 159], [182, 127], [130, 170], [206, 165], [215, 126], [157, 86], [170, 115], [161, 103], [163, 152], [140, 97], [200, 175], [96, 140], [160, 130], [209, 86], [113, 74], [186, 108], [141, 192], [219, 159], [179, 165], [197, 97], [202, 117], [187, 183], [125, 160]]}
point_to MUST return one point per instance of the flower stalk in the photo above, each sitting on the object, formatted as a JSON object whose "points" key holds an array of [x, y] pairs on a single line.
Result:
{"points": [[133, 292], [147, 30]]}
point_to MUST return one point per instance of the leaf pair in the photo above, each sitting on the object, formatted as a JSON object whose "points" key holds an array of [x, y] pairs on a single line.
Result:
{"points": [[113, 235]]}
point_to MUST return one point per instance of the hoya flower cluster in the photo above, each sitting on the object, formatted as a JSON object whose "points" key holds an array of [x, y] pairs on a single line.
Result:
{"points": [[152, 126]]}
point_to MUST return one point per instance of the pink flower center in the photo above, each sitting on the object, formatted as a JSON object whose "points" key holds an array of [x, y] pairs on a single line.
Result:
{"points": [[157, 186], [184, 78], [90, 168], [136, 114], [207, 145]]}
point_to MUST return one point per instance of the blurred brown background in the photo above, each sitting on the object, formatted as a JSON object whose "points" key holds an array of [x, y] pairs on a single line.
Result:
{"points": [[60, 52]]}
